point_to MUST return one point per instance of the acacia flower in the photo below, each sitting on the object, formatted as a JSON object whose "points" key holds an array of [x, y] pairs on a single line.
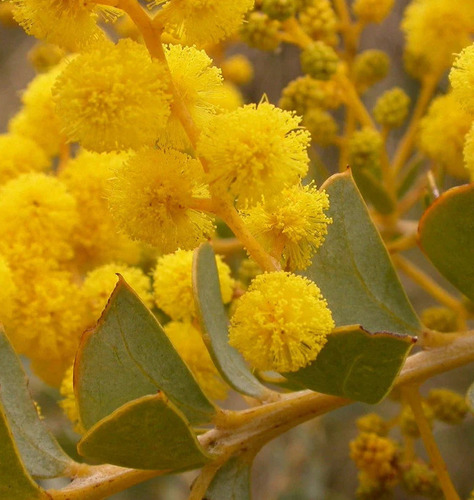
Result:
{"points": [[281, 323], [173, 288], [202, 21], [152, 197], [462, 79], [293, 226], [113, 97], [254, 150]]}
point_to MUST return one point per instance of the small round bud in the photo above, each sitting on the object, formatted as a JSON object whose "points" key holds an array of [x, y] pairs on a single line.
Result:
{"points": [[279, 9], [303, 4], [44, 56], [372, 489], [319, 60], [370, 67], [365, 147], [408, 424], [321, 125], [237, 69], [447, 406], [372, 423], [372, 11], [420, 479], [375, 455], [441, 319], [260, 31], [391, 108], [319, 21], [248, 270]]}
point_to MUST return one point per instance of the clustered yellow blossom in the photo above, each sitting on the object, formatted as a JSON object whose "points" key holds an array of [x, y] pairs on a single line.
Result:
{"points": [[153, 196], [172, 284], [281, 323], [187, 340], [68, 404], [113, 97], [372, 11], [254, 151], [292, 227], [468, 152], [462, 78], [8, 291]]}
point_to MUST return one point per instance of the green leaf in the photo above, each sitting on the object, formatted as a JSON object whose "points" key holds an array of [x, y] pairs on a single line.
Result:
{"points": [[42, 455], [470, 397], [373, 191], [356, 364], [232, 481], [127, 356], [353, 269], [214, 323], [15, 482], [148, 433], [446, 234]]}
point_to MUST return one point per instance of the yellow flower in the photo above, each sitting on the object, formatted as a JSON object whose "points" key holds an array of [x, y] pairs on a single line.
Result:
{"points": [[173, 284], [281, 323], [8, 291], [237, 69], [100, 283], [468, 152], [435, 30], [49, 322], [97, 239], [254, 151], [187, 340], [372, 11], [68, 23], [68, 404], [152, 197], [38, 110], [293, 226], [202, 21], [442, 133], [37, 217], [19, 155], [114, 97], [462, 79], [198, 83]]}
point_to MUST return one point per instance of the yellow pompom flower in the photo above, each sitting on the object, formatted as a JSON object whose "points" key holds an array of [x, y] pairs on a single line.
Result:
{"points": [[68, 23], [152, 197], [198, 83], [50, 324], [172, 285], [291, 227], [113, 97], [229, 98], [38, 110], [468, 152], [462, 79], [281, 323], [100, 283], [97, 239], [237, 69], [20, 155], [444, 24], [202, 21], [8, 291], [442, 133], [254, 151], [372, 11], [68, 404], [38, 216], [187, 340]]}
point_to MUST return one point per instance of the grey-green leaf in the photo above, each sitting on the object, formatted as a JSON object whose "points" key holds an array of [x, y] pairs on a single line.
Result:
{"points": [[353, 269], [40, 452], [232, 481], [128, 356], [214, 323]]}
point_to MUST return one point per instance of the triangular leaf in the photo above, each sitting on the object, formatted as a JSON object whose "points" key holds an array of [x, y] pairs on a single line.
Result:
{"points": [[232, 480], [356, 364], [148, 433], [353, 269], [15, 482], [42, 455], [446, 233], [214, 324], [127, 356]]}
